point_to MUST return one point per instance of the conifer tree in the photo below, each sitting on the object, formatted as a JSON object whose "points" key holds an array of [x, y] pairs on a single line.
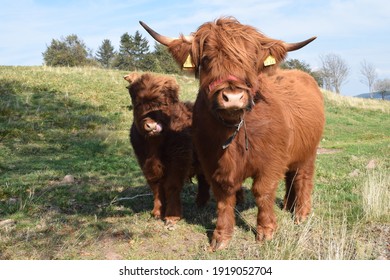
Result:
{"points": [[105, 54], [133, 51]]}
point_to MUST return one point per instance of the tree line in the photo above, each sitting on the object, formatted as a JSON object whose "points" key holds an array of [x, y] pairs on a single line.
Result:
{"points": [[134, 55]]}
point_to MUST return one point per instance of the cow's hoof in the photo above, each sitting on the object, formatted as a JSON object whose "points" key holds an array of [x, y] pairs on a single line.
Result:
{"points": [[170, 222], [170, 226], [299, 219], [218, 245], [264, 234]]}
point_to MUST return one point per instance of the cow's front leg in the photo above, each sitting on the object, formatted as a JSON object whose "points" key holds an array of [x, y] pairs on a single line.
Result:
{"points": [[226, 201], [264, 192]]}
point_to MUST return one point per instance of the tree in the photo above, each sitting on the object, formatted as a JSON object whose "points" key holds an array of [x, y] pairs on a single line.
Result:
{"points": [[163, 60], [369, 75], [334, 72], [140, 49], [133, 51], [296, 64], [69, 51], [105, 54], [383, 87], [303, 66]]}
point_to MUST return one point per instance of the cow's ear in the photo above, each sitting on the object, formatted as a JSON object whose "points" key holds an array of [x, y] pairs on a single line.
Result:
{"points": [[275, 51], [179, 47], [131, 77], [272, 55], [180, 50]]}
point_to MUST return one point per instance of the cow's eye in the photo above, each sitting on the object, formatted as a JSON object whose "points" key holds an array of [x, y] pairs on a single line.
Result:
{"points": [[204, 62]]}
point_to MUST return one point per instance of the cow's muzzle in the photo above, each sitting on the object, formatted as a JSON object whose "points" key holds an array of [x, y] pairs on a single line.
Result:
{"points": [[232, 100]]}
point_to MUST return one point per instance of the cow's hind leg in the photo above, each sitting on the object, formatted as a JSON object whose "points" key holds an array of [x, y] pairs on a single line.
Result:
{"points": [[203, 194], [290, 197], [299, 186]]}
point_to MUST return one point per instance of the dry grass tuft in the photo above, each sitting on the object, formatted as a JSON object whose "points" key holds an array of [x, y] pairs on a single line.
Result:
{"points": [[376, 196]]}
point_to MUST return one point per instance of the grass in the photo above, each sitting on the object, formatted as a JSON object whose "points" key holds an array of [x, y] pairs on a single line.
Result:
{"points": [[60, 121]]}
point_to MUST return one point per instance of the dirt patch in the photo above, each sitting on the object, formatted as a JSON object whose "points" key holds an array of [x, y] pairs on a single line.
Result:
{"points": [[323, 151], [110, 250]]}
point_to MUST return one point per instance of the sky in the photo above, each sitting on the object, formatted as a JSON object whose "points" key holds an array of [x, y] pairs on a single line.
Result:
{"points": [[356, 30]]}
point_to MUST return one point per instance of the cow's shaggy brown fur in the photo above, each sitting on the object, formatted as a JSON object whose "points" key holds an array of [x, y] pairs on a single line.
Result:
{"points": [[252, 120], [161, 138]]}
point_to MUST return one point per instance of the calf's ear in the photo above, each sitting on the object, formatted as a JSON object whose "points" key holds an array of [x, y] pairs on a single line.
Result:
{"points": [[171, 89], [131, 77]]}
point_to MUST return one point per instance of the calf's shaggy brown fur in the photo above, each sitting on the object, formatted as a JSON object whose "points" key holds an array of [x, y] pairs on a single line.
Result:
{"points": [[161, 138]]}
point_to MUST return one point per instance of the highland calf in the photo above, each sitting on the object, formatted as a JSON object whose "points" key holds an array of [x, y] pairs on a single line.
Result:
{"points": [[161, 138], [250, 119]]}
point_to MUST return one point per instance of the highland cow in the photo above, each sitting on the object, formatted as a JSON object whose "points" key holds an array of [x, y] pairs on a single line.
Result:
{"points": [[250, 119], [161, 138]]}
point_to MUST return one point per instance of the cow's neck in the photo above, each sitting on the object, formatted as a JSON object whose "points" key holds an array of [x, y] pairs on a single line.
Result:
{"points": [[224, 134], [237, 127]]}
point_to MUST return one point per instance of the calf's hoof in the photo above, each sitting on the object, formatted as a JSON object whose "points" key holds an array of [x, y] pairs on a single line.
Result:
{"points": [[156, 214]]}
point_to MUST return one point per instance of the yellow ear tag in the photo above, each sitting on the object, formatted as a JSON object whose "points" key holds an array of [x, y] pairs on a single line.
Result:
{"points": [[188, 63], [270, 60]]}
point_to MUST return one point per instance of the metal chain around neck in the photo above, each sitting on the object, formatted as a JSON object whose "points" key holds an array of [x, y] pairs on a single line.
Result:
{"points": [[231, 138]]}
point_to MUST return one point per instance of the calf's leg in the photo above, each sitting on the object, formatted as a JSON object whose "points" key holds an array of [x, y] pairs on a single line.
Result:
{"points": [[158, 200], [173, 187]]}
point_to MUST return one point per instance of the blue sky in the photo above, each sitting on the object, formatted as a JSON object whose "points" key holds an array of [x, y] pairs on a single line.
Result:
{"points": [[356, 30]]}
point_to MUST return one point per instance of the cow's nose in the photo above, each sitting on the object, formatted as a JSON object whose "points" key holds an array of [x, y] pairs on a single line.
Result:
{"points": [[233, 100]]}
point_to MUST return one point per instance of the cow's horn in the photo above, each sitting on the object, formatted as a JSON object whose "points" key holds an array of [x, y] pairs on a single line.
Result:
{"points": [[159, 38], [296, 46]]}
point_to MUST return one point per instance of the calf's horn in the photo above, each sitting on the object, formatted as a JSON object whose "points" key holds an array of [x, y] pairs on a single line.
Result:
{"points": [[296, 46]]}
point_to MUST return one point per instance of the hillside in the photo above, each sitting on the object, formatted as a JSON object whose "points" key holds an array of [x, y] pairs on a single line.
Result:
{"points": [[74, 121], [376, 95]]}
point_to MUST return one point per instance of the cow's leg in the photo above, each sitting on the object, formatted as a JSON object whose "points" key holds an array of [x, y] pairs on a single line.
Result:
{"points": [[203, 194], [158, 200], [173, 187], [226, 201], [290, 196], [302, 185], [264, 191], [240, 196]]}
